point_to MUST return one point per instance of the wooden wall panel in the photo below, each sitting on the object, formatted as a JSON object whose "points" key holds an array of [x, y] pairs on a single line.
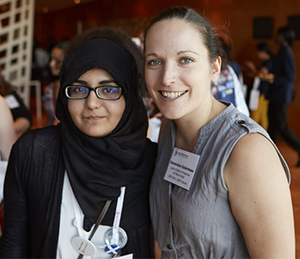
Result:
{"points": [[238, 15], [235, 15]]}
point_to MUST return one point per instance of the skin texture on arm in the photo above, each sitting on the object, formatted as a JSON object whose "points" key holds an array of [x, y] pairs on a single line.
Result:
{"points": [[7, 132], [21, 125], [260, 198]]}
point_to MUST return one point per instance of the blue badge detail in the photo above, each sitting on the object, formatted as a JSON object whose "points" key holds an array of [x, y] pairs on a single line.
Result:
{"points": [[112, 249]]}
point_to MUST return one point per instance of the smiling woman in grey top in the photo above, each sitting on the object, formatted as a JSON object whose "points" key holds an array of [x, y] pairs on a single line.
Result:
{"points": [[238, 204]]}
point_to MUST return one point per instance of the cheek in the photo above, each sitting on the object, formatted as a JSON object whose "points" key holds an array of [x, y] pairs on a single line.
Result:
{"points": [[118, 109], [57, 66], [151, 78], [74, 108]]}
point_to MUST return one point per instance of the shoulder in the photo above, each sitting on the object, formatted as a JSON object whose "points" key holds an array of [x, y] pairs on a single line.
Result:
{"points": [[40, 139], [286, 52], [254, 158], [17, 96], [260, 198]]}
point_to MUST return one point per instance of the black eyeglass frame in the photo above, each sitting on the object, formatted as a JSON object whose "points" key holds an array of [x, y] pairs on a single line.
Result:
{"points": [[94, 89]]}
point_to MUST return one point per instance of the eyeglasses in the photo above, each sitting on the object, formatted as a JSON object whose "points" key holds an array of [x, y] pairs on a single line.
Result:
{"points": [[103, 92]]}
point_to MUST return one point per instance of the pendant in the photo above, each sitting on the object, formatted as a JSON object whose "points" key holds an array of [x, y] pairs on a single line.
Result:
{"points": [[112, 249], [121, 242]]}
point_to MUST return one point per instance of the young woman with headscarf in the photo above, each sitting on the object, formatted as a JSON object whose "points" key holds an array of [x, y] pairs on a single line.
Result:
{"points": [[66, 172]]}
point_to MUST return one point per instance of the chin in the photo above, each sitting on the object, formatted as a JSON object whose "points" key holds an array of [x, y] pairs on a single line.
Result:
{"points": [[95, 134], [172, 114]]}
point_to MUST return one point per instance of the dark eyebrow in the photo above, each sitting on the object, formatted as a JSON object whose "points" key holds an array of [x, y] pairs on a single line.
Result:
{"points": [[184, 51], [81, 82], [107, 81]]}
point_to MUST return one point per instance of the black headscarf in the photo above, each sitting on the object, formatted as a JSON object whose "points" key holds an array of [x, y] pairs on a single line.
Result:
{"points": [[98, 166]]}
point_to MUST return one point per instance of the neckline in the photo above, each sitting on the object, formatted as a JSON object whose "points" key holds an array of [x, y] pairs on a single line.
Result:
{"points": [[207, 128]]}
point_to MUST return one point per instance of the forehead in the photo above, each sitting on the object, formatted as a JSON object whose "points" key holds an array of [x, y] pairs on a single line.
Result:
{"points": [[172, 33], [56, 52], [96, 73]]}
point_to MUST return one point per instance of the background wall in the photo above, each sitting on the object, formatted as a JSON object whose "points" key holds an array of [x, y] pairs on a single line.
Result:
{"points": [[239, 14], [234, 16]]}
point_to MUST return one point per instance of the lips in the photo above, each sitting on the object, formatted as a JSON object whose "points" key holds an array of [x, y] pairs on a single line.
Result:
{"points": [[94, 117], [172, 95]]}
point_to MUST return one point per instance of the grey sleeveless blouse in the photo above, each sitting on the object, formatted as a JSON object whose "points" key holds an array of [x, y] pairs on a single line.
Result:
{"points": [[199, 223]]}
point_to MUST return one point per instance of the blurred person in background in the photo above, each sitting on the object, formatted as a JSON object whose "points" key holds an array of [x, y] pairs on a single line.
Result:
{"points": [[228, 87], [264, 54], [281, 79], [51, 90], [21, 115], [7, 132]]}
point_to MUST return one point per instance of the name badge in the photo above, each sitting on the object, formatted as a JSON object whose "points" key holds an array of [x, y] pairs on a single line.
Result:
{"points": [[181, 168], [84, 246], [12, 101]]}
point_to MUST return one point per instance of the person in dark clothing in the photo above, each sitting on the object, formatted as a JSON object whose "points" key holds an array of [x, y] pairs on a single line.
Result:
{"points": [[21, 115], [60, 178], [282, 77], [7, 133], [260, 115]]}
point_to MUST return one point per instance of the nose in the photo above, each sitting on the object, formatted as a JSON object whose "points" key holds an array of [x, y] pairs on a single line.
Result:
{"points": [[169, 74], [92, 101]]}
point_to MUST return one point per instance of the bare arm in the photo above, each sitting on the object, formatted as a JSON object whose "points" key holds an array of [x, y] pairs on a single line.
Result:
{"points": [[7, 131], [21, 125], [260, 198]]}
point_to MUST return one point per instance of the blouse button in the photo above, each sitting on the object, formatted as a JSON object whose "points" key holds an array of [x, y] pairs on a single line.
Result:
{"points": [[169, 247]]}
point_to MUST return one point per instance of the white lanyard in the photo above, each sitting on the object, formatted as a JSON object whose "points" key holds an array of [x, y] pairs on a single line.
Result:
{"points": [[115, 233], [117, 219]]}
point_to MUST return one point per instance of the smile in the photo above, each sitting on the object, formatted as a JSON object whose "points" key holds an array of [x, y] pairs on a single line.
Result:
{"points": [[94, 117], [172, 95]]}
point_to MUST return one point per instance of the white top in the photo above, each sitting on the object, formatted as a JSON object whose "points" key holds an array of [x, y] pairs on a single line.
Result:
{"points": [[3, 165], [240, 101], [68, 228]]}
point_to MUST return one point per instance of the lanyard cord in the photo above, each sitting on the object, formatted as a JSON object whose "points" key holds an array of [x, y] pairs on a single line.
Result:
{"points": [[100, 218]]}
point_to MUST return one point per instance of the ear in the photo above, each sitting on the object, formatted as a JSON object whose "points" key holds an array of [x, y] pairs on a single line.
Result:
{"points": [[216, 69]]}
